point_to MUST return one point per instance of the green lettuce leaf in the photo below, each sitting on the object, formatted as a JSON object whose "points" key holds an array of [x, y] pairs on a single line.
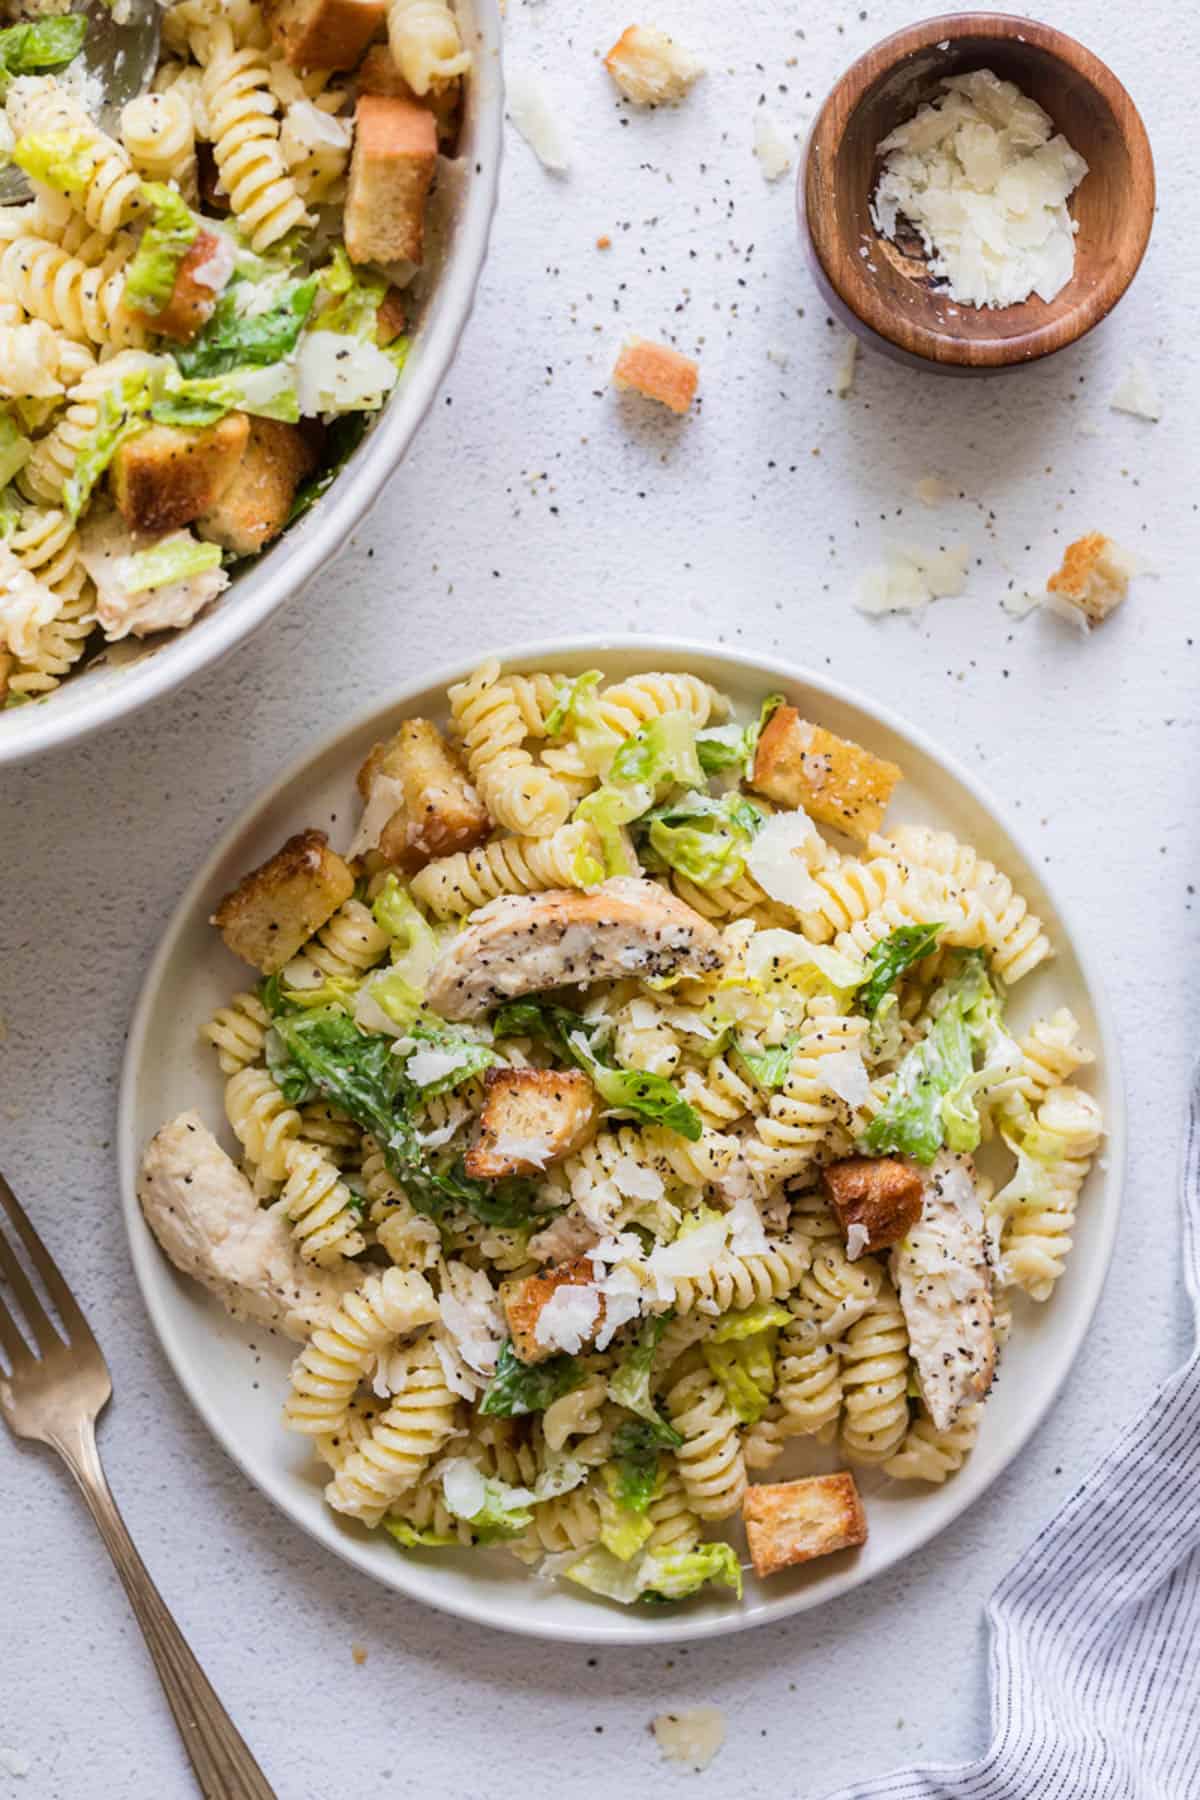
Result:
{"points": [[723, 747], [121, 413], [635, 1463], [354, 299], [657, 1575], [623, 1528], [176, 558], [659, 756], [169, 235], [740, 1352], [735, 1327], [409, 1538], [399, 990], [629, 1384], [232, 339], [15, 449], [62, 160], [269, 392], [40, 46], [767, 1065], [577, 716], [342, 439], [703, 838], [471, 1057], [518, 1388], [890, 959]]}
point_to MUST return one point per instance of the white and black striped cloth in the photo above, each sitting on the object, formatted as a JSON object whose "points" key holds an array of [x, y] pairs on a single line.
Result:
{"points": [[1095, 1635]]}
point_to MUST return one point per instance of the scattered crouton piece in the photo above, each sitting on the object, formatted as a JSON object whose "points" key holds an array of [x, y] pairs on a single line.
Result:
{"points": [[203, 271], [651, 68], [604, 242], [419, 799], [391, 170], [875, 1199], [391, 317], [254, 506], [323, 34], [791, 1522], [1092, 581], [658, 372], [530, 1119], [276, 908], [379, 73], [524, 1301], [837, 782], [360, 1653], [166, 476]]}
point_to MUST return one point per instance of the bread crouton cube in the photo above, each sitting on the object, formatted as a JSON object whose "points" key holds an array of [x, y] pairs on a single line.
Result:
{"points": [[419, 799], [650, 68], [524, 1302], [391, 170], [168, 475], [379, 73], [276, 908], [530, 1119], [323, 34], [837, 782], [794, 1521], [875, 1199], [657, 372], [1093, 579], [202, 274], [254, 507], [391, 316]]}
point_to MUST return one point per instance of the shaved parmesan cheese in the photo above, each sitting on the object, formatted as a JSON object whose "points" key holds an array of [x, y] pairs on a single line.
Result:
{"points": [[336, 373], [691, 1737], [429, 1064], [845, 1074], [746, 1234], [568, 1319], [463, 1487], [979, 176], [635, 1181], [530, 112], [781, 856], [1137, 393], [847, 363], [1020, 605], [770, 146], [857, 1239], [385, 800], [911, 577]]}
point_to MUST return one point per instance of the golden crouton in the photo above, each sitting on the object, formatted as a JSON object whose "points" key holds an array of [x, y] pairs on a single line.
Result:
{"points": [[837, 782], [523, 1301], [254, 506], [391, 170], [437, 811], [391, 316], [1094, 577], [793, 1521], [202, 273], [275, 908], [166, 476], [323, 34], [880, 1195], [379, 73], [658, 373], [650, 68], [531, 1118]]}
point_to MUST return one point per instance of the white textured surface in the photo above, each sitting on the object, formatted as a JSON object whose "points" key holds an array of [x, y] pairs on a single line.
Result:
{"points": [[506, 523]]}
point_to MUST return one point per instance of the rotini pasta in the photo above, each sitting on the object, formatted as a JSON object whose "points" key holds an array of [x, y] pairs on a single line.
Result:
{"points": [[327, 1373], [453, 885], [520, 796], [159, 133], [426, 43], [343, 950], [404, 1439], [238, 1032], [874, 1355], [324, 1220], [242, 117], [711, 1466]]}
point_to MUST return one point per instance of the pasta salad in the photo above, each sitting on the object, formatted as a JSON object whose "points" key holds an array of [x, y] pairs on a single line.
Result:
{"points": [[201, 308], [614, 1112]]}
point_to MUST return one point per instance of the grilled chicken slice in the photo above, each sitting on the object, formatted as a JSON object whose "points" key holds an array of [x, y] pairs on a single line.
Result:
{"points": [[203, 1212], [944, 1282], [527, 944]]}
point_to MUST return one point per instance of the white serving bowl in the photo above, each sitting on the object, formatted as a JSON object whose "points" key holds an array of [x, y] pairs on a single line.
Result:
{"points": [[130, 676], [238, 1389]]}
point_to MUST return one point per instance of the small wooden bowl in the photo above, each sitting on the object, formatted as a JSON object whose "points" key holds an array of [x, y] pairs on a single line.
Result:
{"points": [[886, 297]]}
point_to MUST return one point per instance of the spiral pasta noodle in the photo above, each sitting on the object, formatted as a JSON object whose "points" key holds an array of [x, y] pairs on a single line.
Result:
{"points": [[520, 796], [806, 1121], [1014, 934], [245, 136], [710, 1463], [1037, 1236], [326, 1374], [30, 361], [112, 195], [735, 1282], [159, 132], [238, 1032], [342, 950], [930, 1455], [874, 1356], [263, 1122], [403, 1442], [451, 886], [426, 43], [83, 299], [317, 1202], [577, 1414]]}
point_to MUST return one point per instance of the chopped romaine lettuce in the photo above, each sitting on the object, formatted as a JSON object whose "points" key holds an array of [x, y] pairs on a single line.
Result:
{"points": [[740, 1351], [40, 45], [169, 235], [444, 1055], [15, 449], [342, 439], [269, 392], [62, 160], [629, 1384], [175, 558], [354, 301], [723, 747], [767, 1065], [495, 1509], [777, 955], [889, 960], [703, 838], [409, 1538], [656, 1575], [121, 412], [608, 811], [764, 1315], [518, 1388], [634, 1468], [659, 756], [398, 991], [577, 716], [623, 1529], [233, 338]]}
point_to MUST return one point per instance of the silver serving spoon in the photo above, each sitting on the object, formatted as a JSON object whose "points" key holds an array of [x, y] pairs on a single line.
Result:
{"points": [[121, 57]]}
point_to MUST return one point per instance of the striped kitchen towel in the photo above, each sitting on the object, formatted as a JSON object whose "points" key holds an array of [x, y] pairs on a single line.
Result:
{"points": [[1095, 1634]]}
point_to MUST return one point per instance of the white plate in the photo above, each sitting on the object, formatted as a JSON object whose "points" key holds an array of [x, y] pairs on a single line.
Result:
{"points": [[167, 1069], [130, 674]]}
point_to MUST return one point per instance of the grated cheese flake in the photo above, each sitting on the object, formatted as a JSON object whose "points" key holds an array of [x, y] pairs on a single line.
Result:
{"points": [[1137, 392], [691, 1737], [846, 365], [910, 578], [770, 145], [529, 110]]}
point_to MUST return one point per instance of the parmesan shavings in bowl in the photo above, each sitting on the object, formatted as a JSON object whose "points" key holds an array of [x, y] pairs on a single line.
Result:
{"points": [[981, 178], [782, 857], [910, 578], [692, 1737]]}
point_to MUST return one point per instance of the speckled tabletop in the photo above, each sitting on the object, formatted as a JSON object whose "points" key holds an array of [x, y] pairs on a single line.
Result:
{"points": [[536, 501]]}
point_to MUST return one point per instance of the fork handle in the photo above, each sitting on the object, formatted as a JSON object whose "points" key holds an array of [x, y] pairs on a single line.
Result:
{"points": [[224, 1766]]}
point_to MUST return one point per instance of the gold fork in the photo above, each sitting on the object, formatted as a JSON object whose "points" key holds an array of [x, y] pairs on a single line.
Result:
{"points": [[54, 1394]]}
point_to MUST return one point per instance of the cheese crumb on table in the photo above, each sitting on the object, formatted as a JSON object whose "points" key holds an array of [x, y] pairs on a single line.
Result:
{"points": [[771, 146], [846, 365], [691, 1737], [1137, 392], [530, 113], [657, 372], [1092, 580], [981, 178], [650, 68], [909, 578]]}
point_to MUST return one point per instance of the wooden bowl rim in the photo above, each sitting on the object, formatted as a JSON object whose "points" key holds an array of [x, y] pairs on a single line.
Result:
{"points": [[815, 197]]}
